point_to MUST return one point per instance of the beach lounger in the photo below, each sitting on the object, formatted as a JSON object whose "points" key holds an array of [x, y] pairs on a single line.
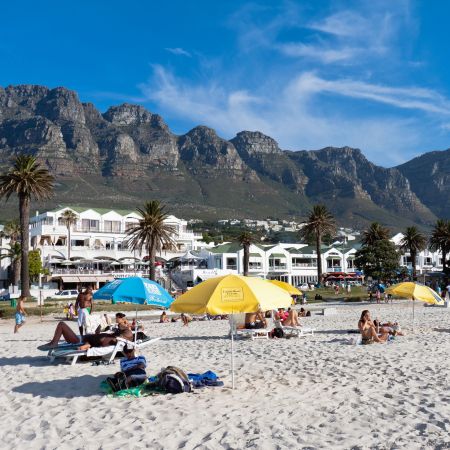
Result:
{"points": [[294, 331], [238, 320], [72, 354]]}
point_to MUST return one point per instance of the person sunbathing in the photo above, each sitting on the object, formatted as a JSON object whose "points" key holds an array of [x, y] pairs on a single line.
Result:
{"points": [[292, 319], [255, 320], [392, 328], [368, 330], [89, 340], [186, 319]]}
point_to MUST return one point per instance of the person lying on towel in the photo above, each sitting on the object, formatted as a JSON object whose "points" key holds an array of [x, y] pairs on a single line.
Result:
{"points": [[132, 371], [88, 340]]}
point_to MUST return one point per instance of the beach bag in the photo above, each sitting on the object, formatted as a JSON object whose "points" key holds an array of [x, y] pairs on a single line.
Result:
{"points": [[174, 380], [278, 333]]}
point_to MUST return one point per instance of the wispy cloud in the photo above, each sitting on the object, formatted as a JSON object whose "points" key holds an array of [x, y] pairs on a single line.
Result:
{"points": [[293, 116], [178, 51]]}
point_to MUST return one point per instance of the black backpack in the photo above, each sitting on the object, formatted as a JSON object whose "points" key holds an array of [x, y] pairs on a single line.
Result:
{"points": [[174, 380]]}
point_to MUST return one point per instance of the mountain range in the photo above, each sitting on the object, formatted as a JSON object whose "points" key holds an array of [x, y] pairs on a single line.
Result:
{"points": [[127, 154]]}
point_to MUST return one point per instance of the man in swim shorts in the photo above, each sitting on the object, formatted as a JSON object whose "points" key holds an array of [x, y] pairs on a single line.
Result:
{"points": [[84, 307], [20, 314]]}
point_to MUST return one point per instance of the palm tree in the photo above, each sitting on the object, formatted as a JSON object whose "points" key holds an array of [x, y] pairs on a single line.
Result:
{"points": [[28, 180], [320, 222], [11, 231], [414, 242], [151, 232], [13, 253], [69, 218], [245, 240], [374, 233], [440, 240]]}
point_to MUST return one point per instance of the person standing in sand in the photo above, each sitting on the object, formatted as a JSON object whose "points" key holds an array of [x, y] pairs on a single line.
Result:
{"points": [[84, 307], [20, 314]]}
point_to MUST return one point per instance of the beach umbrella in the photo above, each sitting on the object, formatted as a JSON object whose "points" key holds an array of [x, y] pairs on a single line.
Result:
{"points": [[415, 291], [291, 290], [232, 294], [137, 290]]}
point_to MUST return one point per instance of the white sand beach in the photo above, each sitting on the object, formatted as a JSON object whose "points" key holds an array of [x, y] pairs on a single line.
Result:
{"points": [[312, 392]]}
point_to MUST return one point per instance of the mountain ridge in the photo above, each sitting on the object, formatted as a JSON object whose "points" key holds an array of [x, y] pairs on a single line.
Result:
{"points": [[128, 154]]}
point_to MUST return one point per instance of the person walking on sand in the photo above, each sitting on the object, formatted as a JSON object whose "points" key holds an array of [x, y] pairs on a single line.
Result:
{"points": [[83, 305], [20, 314]]}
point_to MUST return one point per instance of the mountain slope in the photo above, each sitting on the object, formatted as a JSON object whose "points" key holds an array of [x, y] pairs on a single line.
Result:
{"points": [[429, 176], [128, 154]]}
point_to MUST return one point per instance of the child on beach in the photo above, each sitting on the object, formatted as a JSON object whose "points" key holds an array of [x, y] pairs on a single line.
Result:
{"points": [[20, 314]]}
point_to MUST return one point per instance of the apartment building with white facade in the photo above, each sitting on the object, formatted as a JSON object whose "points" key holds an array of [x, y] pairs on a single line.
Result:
{"points": [[98, 244]]}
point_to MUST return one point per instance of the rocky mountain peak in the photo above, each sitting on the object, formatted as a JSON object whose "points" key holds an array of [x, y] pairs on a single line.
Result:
{"points": [[61, 104], [128, 114], [251, 143]]}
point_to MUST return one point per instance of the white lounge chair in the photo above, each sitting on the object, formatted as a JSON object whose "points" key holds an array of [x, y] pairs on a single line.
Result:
{"points": [[71, 353], [294, 331], [238, 320]]}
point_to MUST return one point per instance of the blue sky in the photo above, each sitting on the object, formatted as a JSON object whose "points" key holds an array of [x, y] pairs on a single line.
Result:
{"points": [[368, 74]]}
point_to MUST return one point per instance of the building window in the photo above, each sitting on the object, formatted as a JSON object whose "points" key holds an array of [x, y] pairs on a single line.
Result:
{"points": [[111, 226], [89, 225], [350, 263], [231, 264]]}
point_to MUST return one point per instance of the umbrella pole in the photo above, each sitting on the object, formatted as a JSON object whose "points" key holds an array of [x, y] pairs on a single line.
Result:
{"points": [[414, 300], [232, 351], [135, 328]]}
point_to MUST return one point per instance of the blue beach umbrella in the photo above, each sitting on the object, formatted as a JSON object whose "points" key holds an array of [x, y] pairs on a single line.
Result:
{"points": [[137, 290]]}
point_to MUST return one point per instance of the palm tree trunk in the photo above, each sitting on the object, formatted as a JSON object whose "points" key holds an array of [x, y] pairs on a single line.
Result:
{"points": [[246, 259], [319, 259], [24, 211], [444, 259], [152, 260], [68, 242], [413, 258], [16, 272]]}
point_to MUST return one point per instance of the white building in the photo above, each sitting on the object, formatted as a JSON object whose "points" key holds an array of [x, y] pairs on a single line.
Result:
{"points": [[98, 244], [427, 261]]}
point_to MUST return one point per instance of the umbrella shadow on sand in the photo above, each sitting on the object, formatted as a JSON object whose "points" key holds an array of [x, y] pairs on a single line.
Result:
{"points": [[80, 386], [35, 361]]}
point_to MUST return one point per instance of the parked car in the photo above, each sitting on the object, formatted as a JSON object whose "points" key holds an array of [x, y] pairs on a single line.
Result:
{"points": [[66, 294], [304, 287]]}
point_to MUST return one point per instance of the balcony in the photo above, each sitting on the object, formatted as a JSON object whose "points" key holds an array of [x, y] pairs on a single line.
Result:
{"points": [[334, 269], [277, 267], [300, 265]]}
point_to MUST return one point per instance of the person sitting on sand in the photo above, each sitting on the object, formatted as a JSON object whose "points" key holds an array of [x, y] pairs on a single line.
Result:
{"points": [[368, 331], [302, 312], [392, 328], [132, 371], [255, 320], [163, 318], [186, 318]]}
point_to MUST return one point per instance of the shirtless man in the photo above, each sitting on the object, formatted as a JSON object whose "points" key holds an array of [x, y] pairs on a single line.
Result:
{"points": [[84, 307], [255, 320]]}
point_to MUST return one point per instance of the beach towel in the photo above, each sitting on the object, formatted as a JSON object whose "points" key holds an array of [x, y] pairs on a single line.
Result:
{"points": [[144, 390], [208, 378]]}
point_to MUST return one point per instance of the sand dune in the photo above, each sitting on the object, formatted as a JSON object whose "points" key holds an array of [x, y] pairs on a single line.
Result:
{"points": [[312, 392]]}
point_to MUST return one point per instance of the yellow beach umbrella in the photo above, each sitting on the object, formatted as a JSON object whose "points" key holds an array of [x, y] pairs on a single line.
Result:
{"points": [[232, 294], [415, 291], [291, 290]]}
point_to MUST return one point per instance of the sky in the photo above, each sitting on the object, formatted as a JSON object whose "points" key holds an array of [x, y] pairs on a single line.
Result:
{"points": [[310, 73]]}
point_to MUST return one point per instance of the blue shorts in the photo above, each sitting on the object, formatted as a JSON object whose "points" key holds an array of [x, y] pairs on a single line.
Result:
{"points": [[20, 318]]}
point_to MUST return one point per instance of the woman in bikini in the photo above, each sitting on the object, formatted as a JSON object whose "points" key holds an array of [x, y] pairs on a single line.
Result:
{"points": [[368, 331]]}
